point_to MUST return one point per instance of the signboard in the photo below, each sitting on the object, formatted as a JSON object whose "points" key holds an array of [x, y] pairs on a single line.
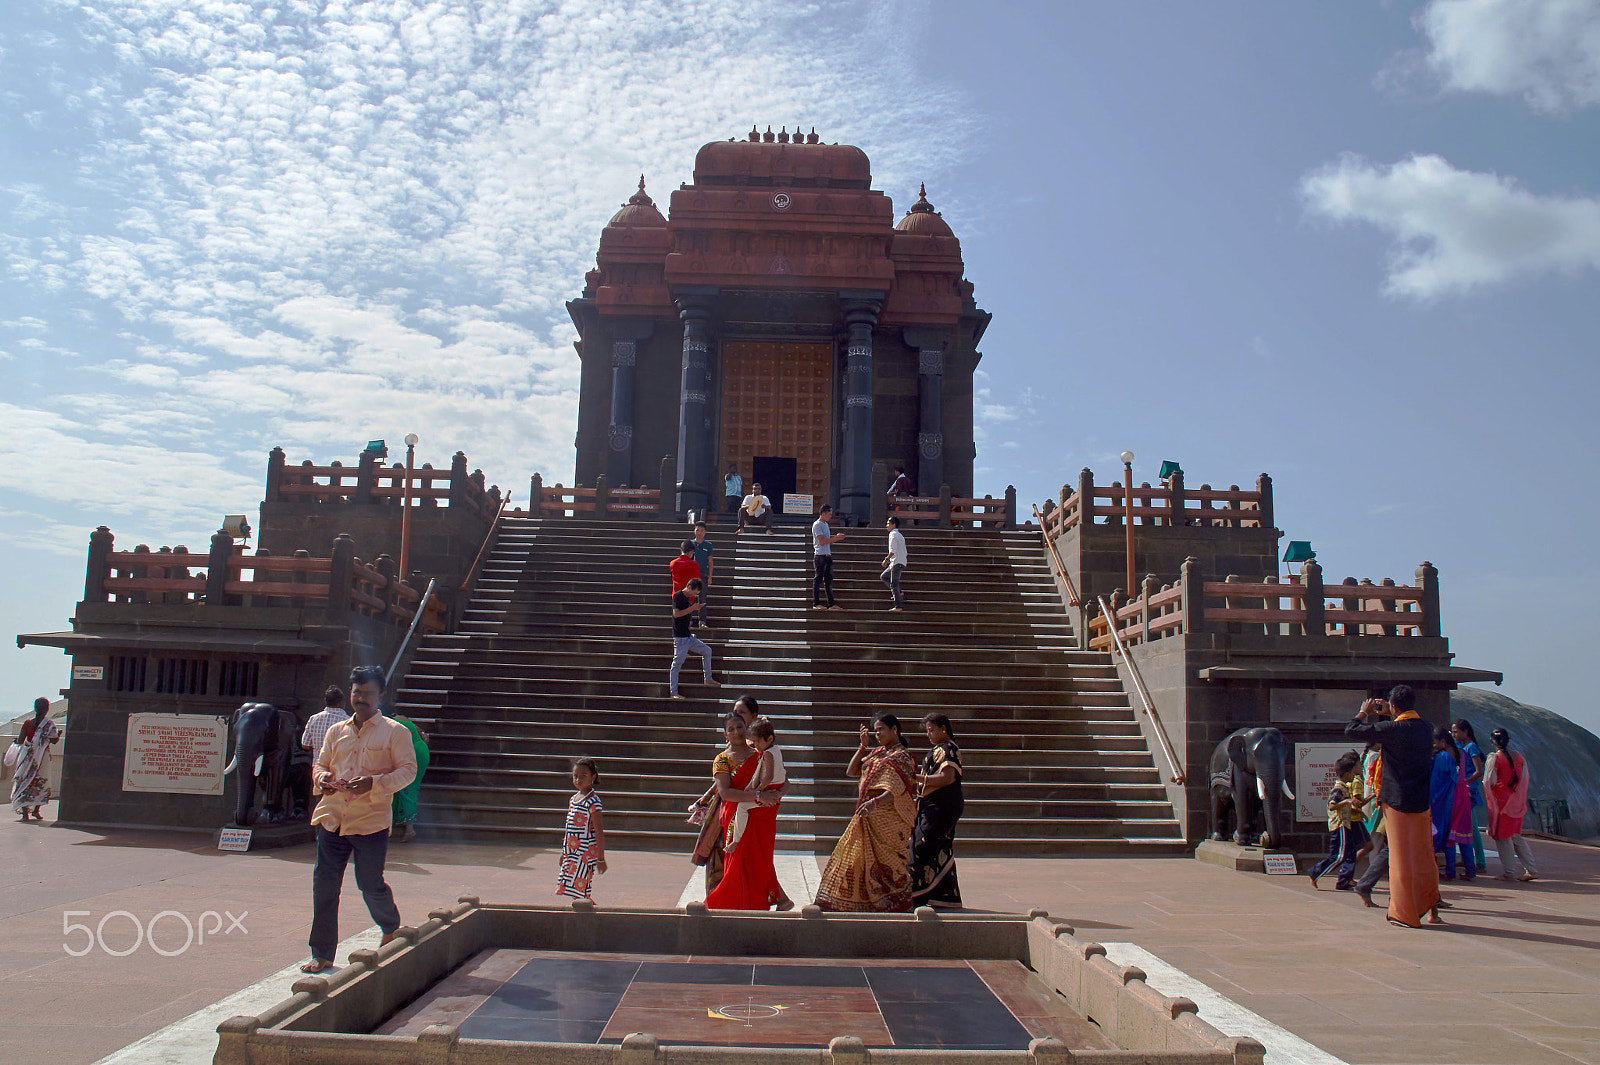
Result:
{"points": [[234, 839], [1280, 864], [1314, 777], [797, 503], [88, 672], [179, 754]]}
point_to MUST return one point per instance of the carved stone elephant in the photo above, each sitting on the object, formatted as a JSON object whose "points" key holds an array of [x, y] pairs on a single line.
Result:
{"points": [[267, 752], [1247, 776]]}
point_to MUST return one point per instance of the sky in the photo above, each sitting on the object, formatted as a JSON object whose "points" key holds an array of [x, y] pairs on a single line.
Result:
{"points": [[1355, 246]]}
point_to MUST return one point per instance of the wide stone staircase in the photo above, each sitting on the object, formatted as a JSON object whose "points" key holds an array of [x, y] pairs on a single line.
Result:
{"points": [[565, 648]]}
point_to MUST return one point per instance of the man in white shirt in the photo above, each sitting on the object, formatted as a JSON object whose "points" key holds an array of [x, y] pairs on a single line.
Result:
{"points": [[756, 509], [822, 539], [732, 488], [895, 563]]}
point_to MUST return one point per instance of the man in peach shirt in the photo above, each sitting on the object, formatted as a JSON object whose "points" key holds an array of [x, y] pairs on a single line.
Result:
{"points": [[363, 762]]}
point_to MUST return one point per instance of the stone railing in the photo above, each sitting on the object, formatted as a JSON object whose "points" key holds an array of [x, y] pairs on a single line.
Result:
{"points": [[168, 575], [1168, 504], [372, 482], [1301, 606]]}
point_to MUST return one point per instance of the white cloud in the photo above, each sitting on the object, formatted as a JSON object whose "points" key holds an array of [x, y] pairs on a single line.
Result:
{"points": [[1456, 229], [1545, 51], [319, 224]]}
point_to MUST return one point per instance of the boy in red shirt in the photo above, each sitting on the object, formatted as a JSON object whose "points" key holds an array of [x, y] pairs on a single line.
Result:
{"points": [[685, 569]]}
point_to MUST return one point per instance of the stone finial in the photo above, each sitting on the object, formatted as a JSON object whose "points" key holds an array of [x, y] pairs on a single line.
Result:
{"points": [[922, 206], [783, 135], [640, 198], [768, 137], [812, 138], [754, 136]]}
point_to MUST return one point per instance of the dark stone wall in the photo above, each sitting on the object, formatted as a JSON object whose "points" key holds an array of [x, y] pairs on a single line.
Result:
{"points": [[1096, 555], [97, 717], [444, 540]]}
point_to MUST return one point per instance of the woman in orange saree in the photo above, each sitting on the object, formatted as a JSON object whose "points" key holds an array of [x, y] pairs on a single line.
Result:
{"points": [[869, 871]]}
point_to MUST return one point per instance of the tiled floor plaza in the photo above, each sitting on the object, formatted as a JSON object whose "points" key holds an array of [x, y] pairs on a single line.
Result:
{"points": [[1513, 977]]}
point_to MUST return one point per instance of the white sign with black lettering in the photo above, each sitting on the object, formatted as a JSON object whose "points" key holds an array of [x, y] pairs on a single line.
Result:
{"points": [[180, 754]]}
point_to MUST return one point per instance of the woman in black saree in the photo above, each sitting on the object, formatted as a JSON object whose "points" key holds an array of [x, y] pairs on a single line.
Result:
{"points": [[933, 839]]}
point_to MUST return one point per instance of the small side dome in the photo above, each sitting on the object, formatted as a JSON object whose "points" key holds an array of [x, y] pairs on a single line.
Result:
{"points": [[923, 220], [638, 213]]}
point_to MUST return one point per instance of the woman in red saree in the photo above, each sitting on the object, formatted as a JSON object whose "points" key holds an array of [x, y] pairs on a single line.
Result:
{"points": [[749, 881], [869, 871], [1505, 785]]}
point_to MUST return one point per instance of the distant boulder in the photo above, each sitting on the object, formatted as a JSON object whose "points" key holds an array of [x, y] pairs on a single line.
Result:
{"points": [[1564, 758]]}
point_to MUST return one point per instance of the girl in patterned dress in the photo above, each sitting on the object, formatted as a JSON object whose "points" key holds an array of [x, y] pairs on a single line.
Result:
{"points": [[583, 847]]}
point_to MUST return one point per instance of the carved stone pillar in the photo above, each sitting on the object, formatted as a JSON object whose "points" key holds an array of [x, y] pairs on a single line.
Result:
{"points": [[855, 462], [930, 432], [619, 434], [692, 443]]}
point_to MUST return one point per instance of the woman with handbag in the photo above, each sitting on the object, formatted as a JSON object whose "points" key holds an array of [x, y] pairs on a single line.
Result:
{"points": [[30, 756]]}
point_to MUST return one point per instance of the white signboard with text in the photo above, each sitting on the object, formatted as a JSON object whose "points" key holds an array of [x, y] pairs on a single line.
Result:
{"points": [[181, 754], [1314, 777], [797, 503]]}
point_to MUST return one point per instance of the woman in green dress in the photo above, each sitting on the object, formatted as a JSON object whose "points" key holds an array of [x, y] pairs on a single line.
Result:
{"points": [[405, 800]]}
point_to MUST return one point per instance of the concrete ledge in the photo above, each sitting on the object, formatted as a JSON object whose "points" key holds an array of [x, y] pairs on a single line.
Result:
{"points": [[320, 1023], [1232, 856]]}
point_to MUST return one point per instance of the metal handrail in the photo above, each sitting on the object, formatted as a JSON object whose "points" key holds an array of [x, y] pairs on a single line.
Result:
{"points": [[416, 621], [1061, 567], [1144, 694], [488, 538]]}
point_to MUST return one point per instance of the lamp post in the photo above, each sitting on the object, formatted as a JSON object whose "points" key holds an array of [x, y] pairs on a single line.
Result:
{"points": [[1127, 519], [405, 509]]}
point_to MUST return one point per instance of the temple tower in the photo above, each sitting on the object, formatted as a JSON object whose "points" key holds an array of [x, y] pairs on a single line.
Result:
{"points": [[780, 323]]}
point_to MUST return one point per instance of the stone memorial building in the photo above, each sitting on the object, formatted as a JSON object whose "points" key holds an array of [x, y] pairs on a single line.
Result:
{"points": [[778, 321]]}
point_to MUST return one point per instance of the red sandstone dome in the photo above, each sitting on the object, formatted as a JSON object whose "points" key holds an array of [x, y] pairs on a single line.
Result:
{"points": [[923, 220], [638, 213], [777, 161]]}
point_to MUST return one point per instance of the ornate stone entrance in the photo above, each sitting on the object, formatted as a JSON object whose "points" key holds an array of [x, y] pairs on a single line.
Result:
{"points": [[777, 399]]}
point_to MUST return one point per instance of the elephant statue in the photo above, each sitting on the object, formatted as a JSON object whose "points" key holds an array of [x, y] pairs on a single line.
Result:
{"points": [[267, 751], [1247, 775]]}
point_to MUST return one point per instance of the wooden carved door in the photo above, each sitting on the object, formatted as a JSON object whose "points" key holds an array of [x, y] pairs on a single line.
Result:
{"points": [[777, 400]]}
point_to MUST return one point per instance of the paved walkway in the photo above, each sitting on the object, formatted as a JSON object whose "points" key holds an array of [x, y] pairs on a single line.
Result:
{"points": [[1514, 977]]}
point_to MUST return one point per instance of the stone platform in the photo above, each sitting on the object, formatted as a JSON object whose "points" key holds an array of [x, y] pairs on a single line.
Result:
{"points": [[1511, 978]]}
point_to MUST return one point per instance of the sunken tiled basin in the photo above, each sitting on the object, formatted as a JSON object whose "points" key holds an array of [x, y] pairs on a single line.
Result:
{"points": [[505, 985]]}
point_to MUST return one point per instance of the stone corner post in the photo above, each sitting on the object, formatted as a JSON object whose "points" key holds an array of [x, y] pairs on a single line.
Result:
{"points": [[459, 491], [1264, 487], [367, 467], [1011, 507], [274, 475], [1316, 610], [99, 568], [944, 506], [1175, 515], [535, 495], [1193, 583], [602, 498], [341, 574], [217, 568], [1428, 581]]}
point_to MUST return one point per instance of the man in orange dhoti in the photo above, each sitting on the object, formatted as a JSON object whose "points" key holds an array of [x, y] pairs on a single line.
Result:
{"points": [[1403, 779]]}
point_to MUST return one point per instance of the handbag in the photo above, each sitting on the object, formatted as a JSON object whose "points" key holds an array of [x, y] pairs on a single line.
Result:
{"points": [[13, 755]]}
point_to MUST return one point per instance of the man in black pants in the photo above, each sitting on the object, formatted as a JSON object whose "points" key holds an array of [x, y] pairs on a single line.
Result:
{"points": [[822, 537]]}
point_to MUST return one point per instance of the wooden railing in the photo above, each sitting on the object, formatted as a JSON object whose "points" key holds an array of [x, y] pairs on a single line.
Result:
{"points": [[1194, 605], [372, 482], [1168, 504], [945, 510], [169, 576]]}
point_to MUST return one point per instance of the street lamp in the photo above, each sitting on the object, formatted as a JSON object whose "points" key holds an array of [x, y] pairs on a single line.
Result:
{"points": [[1127, 520], [405, 508]]}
